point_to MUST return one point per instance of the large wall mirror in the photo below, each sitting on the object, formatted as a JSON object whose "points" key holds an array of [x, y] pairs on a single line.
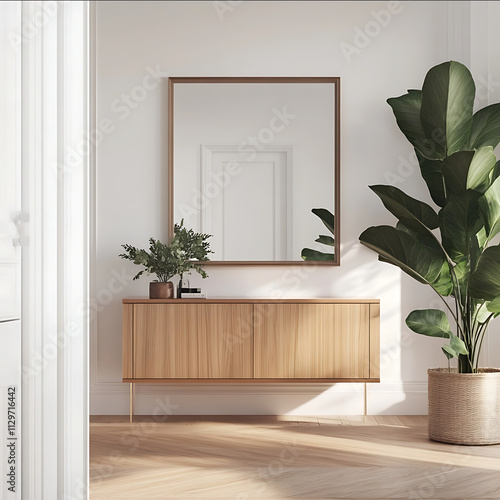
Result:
{"points": [[248, 160]]}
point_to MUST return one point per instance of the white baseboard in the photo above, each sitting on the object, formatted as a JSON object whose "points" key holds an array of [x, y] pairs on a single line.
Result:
{"points": [[398, 398], [390, 398]]}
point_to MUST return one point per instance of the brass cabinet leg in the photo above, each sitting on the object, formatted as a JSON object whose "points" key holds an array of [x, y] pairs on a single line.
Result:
{"points": [[132, 394], [366, 402]]}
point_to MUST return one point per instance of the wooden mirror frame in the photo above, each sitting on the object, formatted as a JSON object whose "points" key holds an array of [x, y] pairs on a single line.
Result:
{"points": [[336, 188]]}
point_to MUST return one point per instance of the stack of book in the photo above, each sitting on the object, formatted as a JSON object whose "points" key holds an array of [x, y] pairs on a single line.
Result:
{"points": [[192, 293]]}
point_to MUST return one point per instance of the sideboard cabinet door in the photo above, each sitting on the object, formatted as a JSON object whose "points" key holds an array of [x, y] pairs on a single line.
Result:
{"points": [[193, 341], [312, 341]]}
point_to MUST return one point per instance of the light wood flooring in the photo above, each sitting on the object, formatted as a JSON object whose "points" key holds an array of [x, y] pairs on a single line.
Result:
{"points": [[268, 457]]}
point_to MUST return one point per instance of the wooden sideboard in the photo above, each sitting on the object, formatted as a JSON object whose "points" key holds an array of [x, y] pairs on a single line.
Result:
{"points": [[251, 340]]}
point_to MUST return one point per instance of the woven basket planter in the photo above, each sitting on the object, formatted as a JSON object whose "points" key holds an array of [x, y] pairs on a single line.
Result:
{"points": [[464, 408]]}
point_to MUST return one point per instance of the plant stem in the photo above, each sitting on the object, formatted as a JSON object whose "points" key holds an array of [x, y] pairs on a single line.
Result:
{"points": [[456, 287], [481, 335], [455, 317]]}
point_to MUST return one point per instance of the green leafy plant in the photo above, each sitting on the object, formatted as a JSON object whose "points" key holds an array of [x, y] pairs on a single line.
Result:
{"points": [[328, 220], [448, 248], [187, 250], [193, 248]]}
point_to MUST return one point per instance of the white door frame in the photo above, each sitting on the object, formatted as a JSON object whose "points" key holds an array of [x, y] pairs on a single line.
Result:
{"points": [[57, 168]]}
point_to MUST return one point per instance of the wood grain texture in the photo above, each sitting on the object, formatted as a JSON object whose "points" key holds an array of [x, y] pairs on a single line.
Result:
{"points": [[193, 341], [248, 300], [296, 340], [260, 457], [374, 340], [127, 345], [255, 79], [389, 420], [250, 380], [311, 341]]}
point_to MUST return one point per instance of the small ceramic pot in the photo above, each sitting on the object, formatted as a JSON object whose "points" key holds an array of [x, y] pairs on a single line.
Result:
{"points": [[158, 290]]}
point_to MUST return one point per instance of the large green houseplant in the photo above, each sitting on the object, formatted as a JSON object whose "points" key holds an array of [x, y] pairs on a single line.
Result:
{"points": [[448, 246], [187, 250]]}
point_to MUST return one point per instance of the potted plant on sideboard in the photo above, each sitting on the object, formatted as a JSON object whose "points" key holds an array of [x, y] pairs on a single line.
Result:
{"points": [[449, 247], [187, 250]]}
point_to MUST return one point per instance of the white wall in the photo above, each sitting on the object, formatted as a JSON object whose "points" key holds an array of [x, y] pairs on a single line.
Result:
{"points": [[268, 39]]}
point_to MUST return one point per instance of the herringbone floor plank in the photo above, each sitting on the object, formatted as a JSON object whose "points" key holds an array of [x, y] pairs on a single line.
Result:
{"points": [[267, 457]]}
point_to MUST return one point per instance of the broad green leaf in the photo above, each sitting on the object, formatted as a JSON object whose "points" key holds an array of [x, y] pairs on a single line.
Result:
{"points": [[310, 254], [475, 251], [326, 217], [495, 173], [455, 169], [408, 253], [494, 306], [446, 110], [406, 109], [328, 220], [462, 272], [483, 312], [468, 170], [427, 239], [460, 221], [457, 344], [481, 235], [412, 213], [326, 240], [430, 322], [444, 283], [485, 129], [433, 177], [482, 164], [489, 206], [449, 352], [485, 280]]}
